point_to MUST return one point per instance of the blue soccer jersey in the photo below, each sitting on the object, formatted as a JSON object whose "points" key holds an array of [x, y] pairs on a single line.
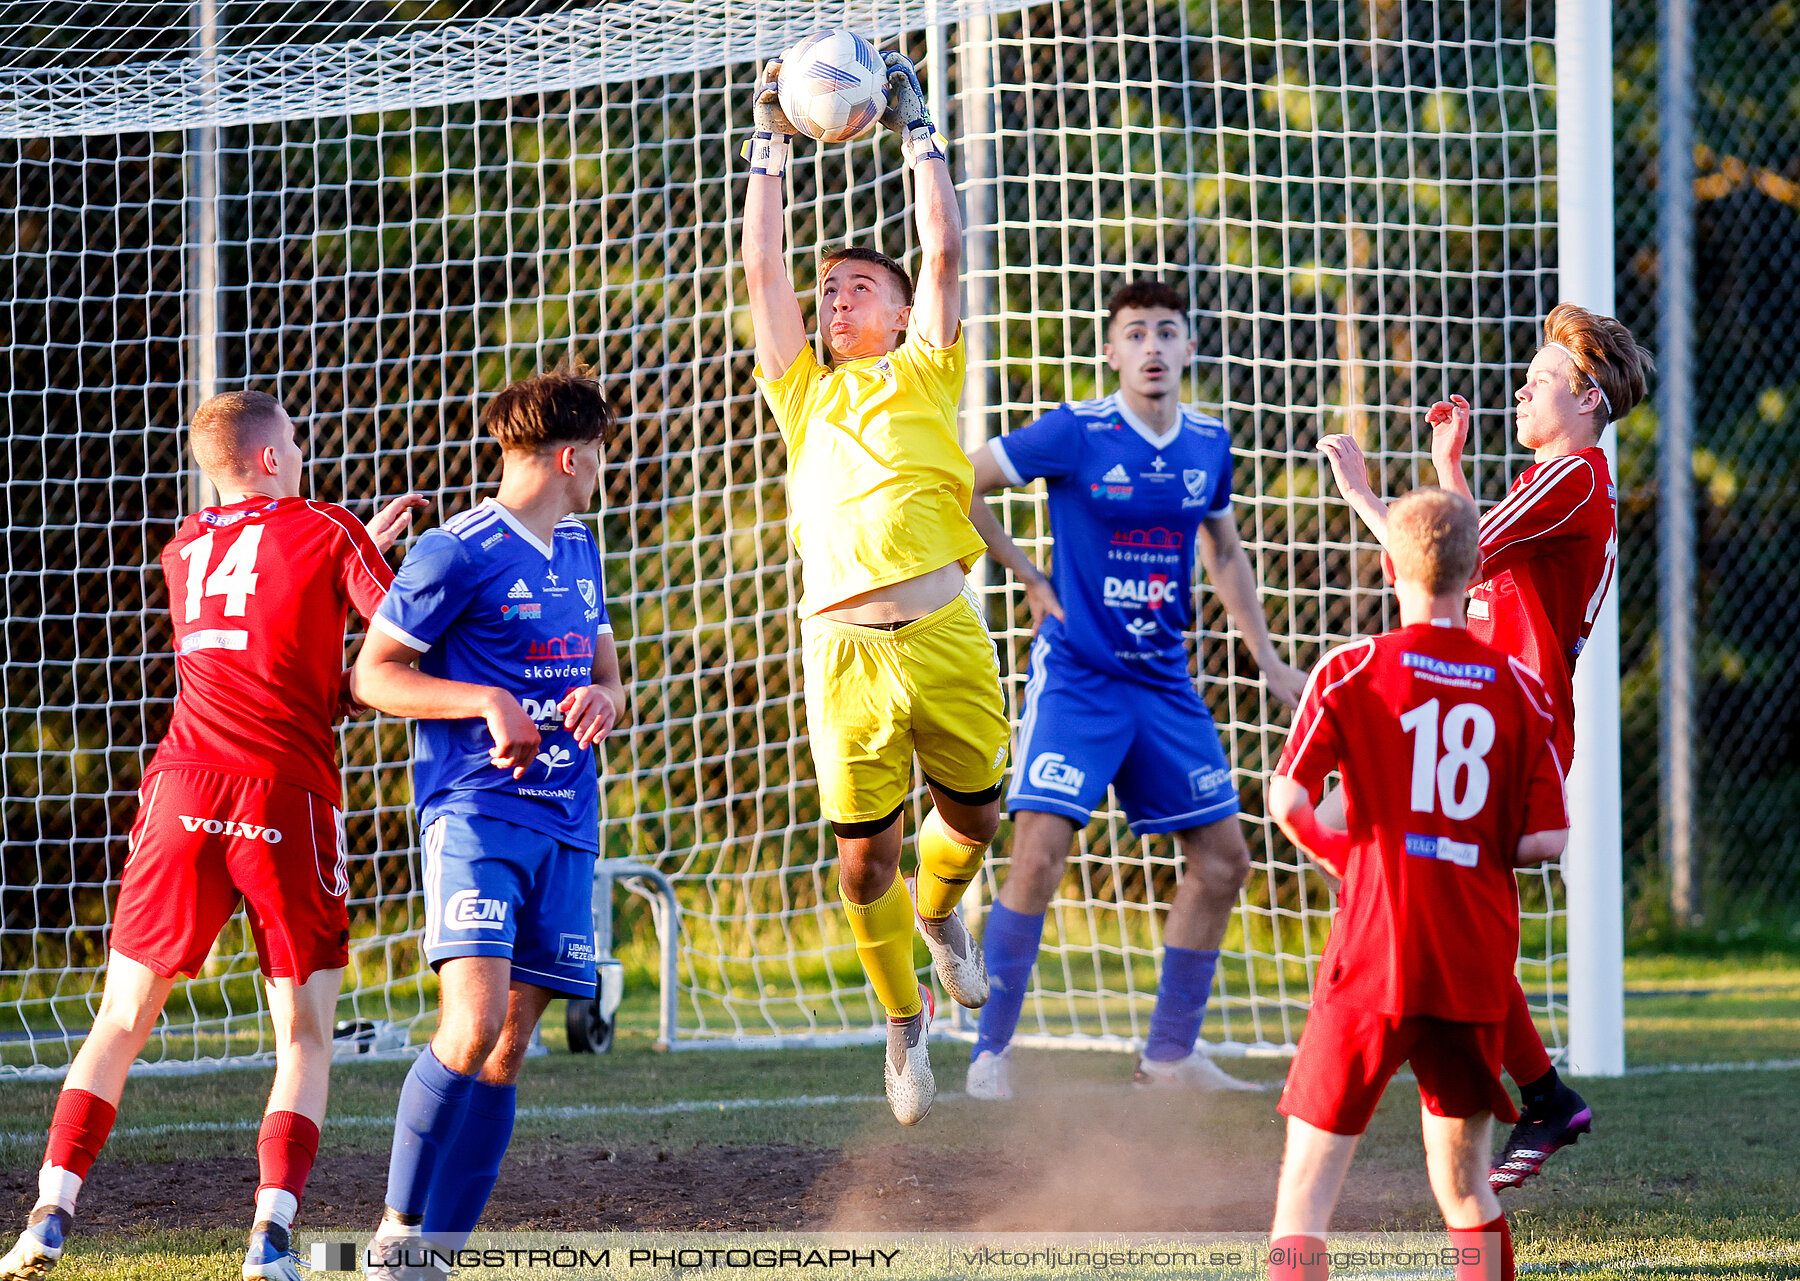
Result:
{"points": [[491, 605], [1125, 509]]}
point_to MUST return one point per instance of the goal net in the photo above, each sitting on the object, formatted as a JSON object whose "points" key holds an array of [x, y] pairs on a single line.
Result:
{"points": [[384, 220]]}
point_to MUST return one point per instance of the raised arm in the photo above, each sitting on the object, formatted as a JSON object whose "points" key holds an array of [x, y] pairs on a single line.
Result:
{"points": [[774, 307], [1228, 569], [1449, 422], [937, 302], [393, 520], [1040, 596], [1352, 474]]}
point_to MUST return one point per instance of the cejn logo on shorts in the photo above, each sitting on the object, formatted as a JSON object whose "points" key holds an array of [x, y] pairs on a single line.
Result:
{"points": [[231, 827], [467, 910], [1052, 772]]}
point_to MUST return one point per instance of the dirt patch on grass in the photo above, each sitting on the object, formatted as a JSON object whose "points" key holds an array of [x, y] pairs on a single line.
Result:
{"points": [[1097, 1160]]}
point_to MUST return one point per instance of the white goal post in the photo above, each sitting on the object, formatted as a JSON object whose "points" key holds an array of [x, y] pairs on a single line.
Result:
{"points": [[383, 221]]}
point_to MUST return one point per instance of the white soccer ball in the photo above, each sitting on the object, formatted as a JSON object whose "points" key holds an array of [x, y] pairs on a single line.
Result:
{"points": [[833, 85]]}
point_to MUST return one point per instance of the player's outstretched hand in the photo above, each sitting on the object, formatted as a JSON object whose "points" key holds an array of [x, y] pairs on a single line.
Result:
{"points": [[1449, 423], [906, 108], [1286, 683], [1041, 597], [588, 713], [1347, 463], [516, 737], [767, 112], [393, 520]]}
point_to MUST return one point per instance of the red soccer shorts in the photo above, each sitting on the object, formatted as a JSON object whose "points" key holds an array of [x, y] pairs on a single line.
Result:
{"points": [[204, 840], [1347, 1056]]}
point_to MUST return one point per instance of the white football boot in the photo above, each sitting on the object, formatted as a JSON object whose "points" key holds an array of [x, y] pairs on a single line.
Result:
{"points": [[270, 1256], [906, 1067], [990, 1075], [1196, 1072], [955, 955], [39, 1246]]}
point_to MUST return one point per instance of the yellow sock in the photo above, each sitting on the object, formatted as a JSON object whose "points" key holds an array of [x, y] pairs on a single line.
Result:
{"points": [[884, 943], [946, 866]]}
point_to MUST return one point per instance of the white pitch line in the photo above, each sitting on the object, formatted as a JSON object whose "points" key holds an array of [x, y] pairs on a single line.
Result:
{"points": [[692, 1106], [1666, 1069]]}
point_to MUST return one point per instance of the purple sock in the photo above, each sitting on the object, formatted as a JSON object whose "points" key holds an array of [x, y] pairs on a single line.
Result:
{"points": [[433, 1100], [1186, 982], [1010, 943]]}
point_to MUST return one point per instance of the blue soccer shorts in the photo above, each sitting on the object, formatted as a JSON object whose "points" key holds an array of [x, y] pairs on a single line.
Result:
{"points": [[493, 888], [1155, 744]]}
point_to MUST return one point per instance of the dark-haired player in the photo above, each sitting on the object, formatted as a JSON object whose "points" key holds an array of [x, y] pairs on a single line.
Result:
{"points": [[1137, 483], [495, 637], [1450, 781], [898, 662], [240, 803], [1547, 555]]}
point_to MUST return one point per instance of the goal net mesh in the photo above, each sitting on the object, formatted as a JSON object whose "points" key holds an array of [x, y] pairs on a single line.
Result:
{"points": [[384, 219]]}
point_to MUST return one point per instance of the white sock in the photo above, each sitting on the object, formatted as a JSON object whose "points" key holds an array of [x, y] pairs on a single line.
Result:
{"points": [[58, 1187], [277, 1206]]}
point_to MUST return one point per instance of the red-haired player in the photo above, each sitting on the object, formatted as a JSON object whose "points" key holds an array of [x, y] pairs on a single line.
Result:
{"points": [[1548, 551], [239, 802], [1450, 781]]}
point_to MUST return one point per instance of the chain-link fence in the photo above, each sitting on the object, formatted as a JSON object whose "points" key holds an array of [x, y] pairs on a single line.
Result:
{"points": [[1746, 414]]}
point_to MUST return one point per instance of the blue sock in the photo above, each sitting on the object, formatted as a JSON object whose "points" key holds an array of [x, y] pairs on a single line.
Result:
{"points": [[432, 1103], [1011, 944], [1187, 976], [460, 1191]]}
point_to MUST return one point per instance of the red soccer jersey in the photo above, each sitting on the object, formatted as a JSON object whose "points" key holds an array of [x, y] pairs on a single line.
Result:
{"points": [[1547, 555], [1443, 744], [259, 592]]}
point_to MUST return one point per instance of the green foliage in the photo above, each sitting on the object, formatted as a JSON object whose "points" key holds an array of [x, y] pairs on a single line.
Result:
{"points": [[1747, 344]]}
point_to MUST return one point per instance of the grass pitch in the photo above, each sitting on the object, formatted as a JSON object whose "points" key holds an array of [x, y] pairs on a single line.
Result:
{"points": [[1691, 1173]]}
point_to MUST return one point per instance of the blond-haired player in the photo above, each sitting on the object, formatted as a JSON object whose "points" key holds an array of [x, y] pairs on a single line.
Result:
{"points": [[897, 659], [1444, 747], [239, 805], [1547, 555]]}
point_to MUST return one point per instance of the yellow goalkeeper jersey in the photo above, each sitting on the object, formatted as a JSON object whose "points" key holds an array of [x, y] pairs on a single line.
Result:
{"points": [[878, 487]]}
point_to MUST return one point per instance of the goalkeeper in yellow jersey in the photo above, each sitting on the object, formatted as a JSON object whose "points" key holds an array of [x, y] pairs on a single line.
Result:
{"points": [[897, 660]]}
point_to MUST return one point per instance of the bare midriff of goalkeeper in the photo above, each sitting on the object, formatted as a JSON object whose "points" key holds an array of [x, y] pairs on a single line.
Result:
{"points": [[897, 661]]}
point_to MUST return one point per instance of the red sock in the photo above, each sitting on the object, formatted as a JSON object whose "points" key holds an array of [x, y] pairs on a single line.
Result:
{"points": [[1478, 1247], [78, 1131], [1523, 1050], [1298, 1258], [285, 1150]]}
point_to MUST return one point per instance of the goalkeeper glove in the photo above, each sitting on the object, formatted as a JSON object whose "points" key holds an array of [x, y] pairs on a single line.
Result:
{"points": [[907, 114], [772, 143]]}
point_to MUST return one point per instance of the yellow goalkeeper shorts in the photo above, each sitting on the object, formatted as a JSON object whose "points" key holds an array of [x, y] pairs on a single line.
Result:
{"points": [[875, 698]]}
